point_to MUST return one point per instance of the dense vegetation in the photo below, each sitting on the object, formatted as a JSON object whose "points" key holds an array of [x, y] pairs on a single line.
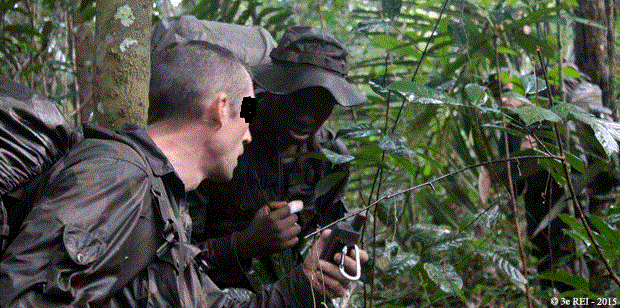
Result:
{"points": [[435, 108]]}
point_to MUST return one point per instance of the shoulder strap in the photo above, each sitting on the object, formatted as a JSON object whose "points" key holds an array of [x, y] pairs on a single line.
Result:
{"points": [[173, 228], [176, 242]]}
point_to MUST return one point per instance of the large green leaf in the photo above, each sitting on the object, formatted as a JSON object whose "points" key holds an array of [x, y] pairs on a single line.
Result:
{"points": [[477, 94], [531, 113], [395, 145], [425, 233], [457, 31], [336, 158], [561, 275], [358, 130], [400, 266], [501, 263], [446, 242], [444, 276], [532, 84], [328, 182], [607, 133], [416, 93]]}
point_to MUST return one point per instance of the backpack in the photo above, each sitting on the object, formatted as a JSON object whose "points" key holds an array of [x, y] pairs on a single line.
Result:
{"points": [[33, 135]]}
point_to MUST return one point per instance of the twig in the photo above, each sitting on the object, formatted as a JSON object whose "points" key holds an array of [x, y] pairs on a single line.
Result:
{"points": [[511, 190], [429, 183], [571, 187]]}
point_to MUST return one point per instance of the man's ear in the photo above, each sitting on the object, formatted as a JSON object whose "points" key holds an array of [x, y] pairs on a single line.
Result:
{"points": [[217, 112]]}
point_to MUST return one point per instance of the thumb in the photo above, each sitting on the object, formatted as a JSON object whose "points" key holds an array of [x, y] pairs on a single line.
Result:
{"points": [[319, 245]]}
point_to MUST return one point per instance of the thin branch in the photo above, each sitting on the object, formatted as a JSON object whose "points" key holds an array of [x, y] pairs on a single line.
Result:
{"points": [[431, 182], [511, 190]]}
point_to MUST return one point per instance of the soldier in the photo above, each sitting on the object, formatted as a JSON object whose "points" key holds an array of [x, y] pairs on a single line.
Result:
{"points": [[248, 218], [109, 225]]}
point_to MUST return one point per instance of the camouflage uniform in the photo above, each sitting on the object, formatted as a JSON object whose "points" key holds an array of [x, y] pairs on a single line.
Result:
{"points": [[93, 236], [219, 209]]}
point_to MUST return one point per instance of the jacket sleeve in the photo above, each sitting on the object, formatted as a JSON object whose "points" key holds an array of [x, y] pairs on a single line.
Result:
{"points": [[291, 291], [76, 244]]}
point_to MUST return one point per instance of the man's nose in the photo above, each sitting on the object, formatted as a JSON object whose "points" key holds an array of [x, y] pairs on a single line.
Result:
{"points": [[247, 137]]}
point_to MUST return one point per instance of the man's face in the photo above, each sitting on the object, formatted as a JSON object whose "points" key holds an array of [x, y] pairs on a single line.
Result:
{"points": [[297, 116], [236, 133]]}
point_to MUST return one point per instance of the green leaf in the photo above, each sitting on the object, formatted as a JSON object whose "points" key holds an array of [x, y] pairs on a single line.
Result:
{"points": [[561, 275], [425, 233], [578, 230], [358, 130], [379, 89], [385, 41], [531, 113], [611, 235], [501, 263], [556, 170], [395, 145], [477, 94], [532, 84], [391, 8], [328, 182], [21, 29], [406, 164], [457, 31], [575, 162], [336, 158], [371, 25], [491, 216], [606, 132], [447, 242], [501, 49], [416, 93], [371, 154], [444, 276], [401, 265]]}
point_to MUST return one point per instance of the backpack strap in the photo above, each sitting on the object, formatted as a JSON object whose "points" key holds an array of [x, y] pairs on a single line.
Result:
{"points": [[173, 228], [176, 243]]}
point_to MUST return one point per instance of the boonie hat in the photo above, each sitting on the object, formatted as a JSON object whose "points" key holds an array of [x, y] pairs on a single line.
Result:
{"points": [[309, 57]]}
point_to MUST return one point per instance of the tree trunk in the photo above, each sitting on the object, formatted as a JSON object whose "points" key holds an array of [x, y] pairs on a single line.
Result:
{"points": [[592, 47], [122, 65], [84, 54]]}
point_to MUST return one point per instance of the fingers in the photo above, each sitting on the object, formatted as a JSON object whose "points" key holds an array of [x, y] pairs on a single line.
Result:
{"points": [[327, 279], [281, 213], [274, 205]]}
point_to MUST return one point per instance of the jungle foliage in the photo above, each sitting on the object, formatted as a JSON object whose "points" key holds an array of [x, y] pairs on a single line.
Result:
{"points": [[435, 73]]}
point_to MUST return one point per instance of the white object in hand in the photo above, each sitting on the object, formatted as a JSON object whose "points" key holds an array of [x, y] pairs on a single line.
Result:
{"points": [[295, 206]]}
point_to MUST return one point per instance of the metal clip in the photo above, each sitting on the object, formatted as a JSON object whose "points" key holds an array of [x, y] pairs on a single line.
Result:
{"points": [[358, 266]]}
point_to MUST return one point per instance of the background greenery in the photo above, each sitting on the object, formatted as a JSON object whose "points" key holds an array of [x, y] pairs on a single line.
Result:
{"points": [[425, 67]]}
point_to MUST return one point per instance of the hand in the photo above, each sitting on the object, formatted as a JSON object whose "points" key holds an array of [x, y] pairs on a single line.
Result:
{"points": [[325, 276], [273, 229]]}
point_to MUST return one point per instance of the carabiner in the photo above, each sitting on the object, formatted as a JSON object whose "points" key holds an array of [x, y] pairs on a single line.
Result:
{"points": [[358, 266]]}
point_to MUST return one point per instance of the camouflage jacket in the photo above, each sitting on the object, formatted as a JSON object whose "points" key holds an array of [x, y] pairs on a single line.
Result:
{"points": [[219, 209], [94, 234]]}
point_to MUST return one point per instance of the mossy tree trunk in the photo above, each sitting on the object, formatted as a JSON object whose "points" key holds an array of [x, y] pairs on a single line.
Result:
{"points": [[122, 61]]}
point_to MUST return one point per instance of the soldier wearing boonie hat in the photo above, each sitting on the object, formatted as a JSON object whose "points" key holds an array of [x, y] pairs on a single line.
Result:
{"points": [[296, 93]]}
